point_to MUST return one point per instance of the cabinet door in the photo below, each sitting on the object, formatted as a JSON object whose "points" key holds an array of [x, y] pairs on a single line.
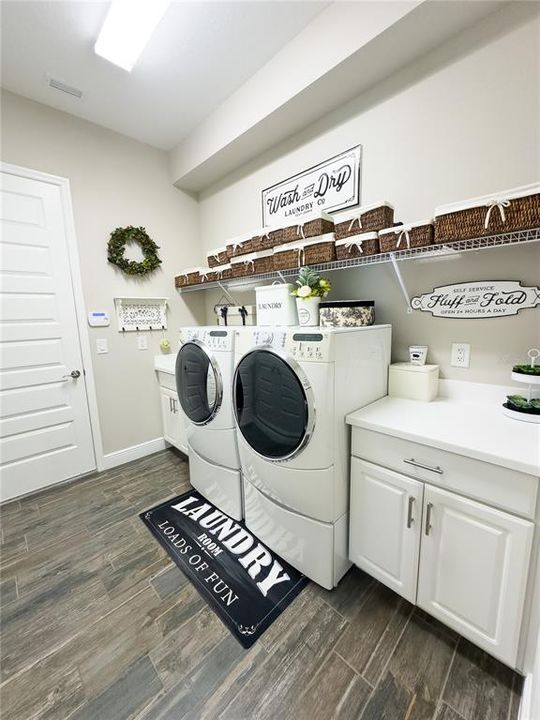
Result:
{"points": [[385, 526], [473, 570], [174, 430]]}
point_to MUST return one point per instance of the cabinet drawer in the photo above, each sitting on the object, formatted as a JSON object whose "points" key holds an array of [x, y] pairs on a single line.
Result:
{"points": [[495, 485], [166, 380]]}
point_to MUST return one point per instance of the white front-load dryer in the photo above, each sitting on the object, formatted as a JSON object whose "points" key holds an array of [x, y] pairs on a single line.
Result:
{"points": [[204, 372], [292, 390]]}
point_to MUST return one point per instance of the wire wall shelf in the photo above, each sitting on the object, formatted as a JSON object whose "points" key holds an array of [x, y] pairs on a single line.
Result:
{"points": [[431, 251]]}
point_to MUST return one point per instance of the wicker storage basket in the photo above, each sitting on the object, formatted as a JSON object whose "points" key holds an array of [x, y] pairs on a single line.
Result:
{"points": [[220, 272], [308, 226], [252, 264], [357, 246], [507, 211], [266, 239], [288, 256], [320, 249], [217, 257], [192, 276], [404, 237], [241, 245], [376, 216]]}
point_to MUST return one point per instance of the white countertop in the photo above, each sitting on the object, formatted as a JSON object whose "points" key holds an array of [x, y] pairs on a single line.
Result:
{"points": [[165, 363], [468, 423]]}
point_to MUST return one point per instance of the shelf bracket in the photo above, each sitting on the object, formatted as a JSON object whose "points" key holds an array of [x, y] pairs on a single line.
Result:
{"points": [[226, 293], [401, 282]]}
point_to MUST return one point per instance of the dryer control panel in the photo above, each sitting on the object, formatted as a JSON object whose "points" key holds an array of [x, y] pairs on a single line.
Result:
{"points": [[309, 345], [303, 344]]}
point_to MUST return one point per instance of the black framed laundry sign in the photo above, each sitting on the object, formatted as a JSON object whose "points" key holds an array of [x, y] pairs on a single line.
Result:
{"points": [[331, 185], [481, 299]]}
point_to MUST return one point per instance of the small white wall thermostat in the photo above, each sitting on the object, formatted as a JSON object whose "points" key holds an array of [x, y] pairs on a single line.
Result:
{"points": [[98, 319]]}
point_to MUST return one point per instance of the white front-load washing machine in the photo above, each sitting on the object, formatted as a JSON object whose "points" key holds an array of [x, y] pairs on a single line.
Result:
{"points": [[204, 373], [292, 389]]}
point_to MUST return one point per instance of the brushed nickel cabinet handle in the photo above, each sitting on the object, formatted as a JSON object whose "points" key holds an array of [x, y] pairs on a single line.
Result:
{"points": [[431, 468], [429, 508], [410, 518]]}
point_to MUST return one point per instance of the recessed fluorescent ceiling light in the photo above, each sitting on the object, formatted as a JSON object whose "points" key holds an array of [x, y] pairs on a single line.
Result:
{"points": [[127, 28]]}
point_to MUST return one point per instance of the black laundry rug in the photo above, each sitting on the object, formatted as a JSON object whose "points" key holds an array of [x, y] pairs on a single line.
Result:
{"points": [[246, 584]]}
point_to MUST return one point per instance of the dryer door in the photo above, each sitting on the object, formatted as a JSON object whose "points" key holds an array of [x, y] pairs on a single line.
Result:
{"points": [[198, 382], [273, 404]]}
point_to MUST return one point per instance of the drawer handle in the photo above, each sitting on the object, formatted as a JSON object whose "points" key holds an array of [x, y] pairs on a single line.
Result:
{"points": [[428, 517], [412, 461], [410, 518]]}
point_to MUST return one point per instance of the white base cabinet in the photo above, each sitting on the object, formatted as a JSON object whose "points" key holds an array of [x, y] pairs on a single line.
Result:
{"points": [[462, 561], [174, 430]]}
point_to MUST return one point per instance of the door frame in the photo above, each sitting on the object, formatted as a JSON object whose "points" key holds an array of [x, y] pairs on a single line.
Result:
{"points": [[76, 285]]}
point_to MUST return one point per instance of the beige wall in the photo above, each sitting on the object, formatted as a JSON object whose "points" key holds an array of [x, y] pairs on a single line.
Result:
{"points": [[459, 122], [115, 182]]}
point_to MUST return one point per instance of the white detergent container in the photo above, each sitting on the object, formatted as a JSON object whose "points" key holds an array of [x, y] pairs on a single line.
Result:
{"points": [[276, 305]]}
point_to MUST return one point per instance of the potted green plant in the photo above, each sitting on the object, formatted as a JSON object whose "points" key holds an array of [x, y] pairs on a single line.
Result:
{"points": [[311, 288]]}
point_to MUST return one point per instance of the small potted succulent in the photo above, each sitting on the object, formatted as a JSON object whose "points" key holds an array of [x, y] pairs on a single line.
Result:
{"points": [[311, 289], [525, 407]]}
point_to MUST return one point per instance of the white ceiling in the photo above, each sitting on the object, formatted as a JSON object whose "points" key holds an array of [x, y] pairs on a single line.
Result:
{"points": [[200, 54]]}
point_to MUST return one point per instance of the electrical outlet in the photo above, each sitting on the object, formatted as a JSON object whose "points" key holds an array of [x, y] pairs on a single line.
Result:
{"points": [[461, 354], [102, 346], [142, 342]]}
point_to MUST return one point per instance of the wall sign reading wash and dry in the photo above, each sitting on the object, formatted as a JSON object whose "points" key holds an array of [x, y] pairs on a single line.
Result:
{"points": [[333, 184], [483, 299]]}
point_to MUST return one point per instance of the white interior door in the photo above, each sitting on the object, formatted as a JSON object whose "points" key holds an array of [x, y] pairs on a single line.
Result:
{"points": [[473, 570], [45, 432], [385, 526]]}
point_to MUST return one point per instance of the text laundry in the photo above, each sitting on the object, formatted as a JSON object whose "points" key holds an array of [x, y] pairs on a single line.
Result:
{"points": [[253, 556]]}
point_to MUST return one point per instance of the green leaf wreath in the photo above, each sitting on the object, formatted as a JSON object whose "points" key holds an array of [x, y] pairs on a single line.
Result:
{"points": [[117, 244]]}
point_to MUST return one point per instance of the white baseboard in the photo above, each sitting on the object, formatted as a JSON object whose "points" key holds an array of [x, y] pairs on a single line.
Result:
{"points": [[133, 453], [525, 707]]}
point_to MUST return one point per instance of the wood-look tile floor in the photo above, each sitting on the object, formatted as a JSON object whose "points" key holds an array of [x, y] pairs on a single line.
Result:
{"points": [[98, 623]]}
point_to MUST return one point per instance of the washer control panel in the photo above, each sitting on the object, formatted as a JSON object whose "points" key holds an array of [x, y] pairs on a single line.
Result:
{"points": [[218, 340]]}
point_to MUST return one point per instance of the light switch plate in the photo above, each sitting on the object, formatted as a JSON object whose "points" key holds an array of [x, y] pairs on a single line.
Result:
{"points": [[102, 346], [461, 355], [142, 342]]}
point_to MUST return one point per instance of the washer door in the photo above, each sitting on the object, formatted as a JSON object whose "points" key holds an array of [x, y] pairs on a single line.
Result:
{"points": [[273, 404], [198, 382]]}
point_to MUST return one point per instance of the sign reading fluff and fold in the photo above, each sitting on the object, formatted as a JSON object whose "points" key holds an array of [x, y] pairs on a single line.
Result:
{"points": [[244, 582], [481, 299]]}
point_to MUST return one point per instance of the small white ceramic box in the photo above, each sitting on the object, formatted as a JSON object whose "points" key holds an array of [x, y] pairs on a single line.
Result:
{"points": [[413, 382]]}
